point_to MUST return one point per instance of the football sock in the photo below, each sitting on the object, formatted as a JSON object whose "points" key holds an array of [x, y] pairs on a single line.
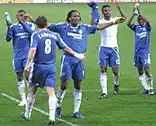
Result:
{"points": [[142, 79], [21, 89], [116, 79], [29, 104], [150, 82], [60, 95], [52, 107], [77, 100], [103, 82], [27, 83]]}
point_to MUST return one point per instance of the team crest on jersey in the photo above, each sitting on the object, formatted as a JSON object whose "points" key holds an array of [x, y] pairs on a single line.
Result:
{"points": [[80, 31], [144, 29]]}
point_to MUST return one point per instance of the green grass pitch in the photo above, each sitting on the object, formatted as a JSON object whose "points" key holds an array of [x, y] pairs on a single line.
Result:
{"points": [[129, 108]]}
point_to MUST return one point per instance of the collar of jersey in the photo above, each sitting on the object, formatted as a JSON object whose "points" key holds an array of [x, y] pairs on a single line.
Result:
{"points": [[109, 19], [73, 27], [43, 29]]}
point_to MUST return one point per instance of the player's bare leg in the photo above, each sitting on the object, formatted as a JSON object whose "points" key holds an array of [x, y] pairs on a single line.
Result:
{"points": [[21, 88], [103, 82], [30, 102], [142, 79], [26, 79], [77, 99], [60, 95], [149, 80], [52, 105], [116, 79]]}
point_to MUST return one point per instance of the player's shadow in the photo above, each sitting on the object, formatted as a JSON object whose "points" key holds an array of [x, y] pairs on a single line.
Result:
{"points": [[57, 123]]}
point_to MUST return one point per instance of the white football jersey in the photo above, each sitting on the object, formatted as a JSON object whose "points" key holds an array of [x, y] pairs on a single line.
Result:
{"points": [[109, 35]]}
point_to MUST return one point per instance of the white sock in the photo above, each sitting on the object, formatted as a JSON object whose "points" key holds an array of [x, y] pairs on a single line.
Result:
{"points": [[60, 96], [103, 82], [21, 89], [52, 107], [77, 100], [29, 105], [150, 82], [27, 83], [116, 79], [142, 79]]}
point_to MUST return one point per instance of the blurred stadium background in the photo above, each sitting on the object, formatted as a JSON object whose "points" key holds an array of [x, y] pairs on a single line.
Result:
{"points": [[129, 108], [69, 1]]}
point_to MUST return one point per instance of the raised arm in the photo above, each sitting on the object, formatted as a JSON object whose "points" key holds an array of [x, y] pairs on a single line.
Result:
{"points": [[9, 34], [142, 16], [120, 11], [129, 23], [27, 28], [92, 21], [94, 13]]}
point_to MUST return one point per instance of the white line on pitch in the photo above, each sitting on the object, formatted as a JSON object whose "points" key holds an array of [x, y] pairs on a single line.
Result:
{"points": [[122, 89], [38, 110], [98, 90]]}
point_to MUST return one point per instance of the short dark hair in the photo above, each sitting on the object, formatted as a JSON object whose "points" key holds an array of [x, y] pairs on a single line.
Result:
{"points": [[21, 11], [41, 21], [104, 6], [70, 14]]}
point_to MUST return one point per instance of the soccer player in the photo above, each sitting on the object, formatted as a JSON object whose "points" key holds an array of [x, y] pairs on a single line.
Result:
{"points": [[20, 33], [142, 32], [41, 66], [75, 36], [108, 50]]}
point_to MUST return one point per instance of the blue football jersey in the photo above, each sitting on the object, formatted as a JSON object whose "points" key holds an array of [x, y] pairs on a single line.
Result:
{"points": [[45, 43], [20, 34], [142, 39], [76, 38]]}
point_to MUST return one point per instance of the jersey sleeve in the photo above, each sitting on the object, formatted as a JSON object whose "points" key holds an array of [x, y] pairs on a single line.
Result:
{"points": [[32, 27], [132, 26], [91, 29], [56, 27], [60, 43], [9, 34], [28, 27], [95, 15], [149, 28], [33, 41]]}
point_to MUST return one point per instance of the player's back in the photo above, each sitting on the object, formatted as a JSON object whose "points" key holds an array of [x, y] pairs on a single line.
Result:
{"points": [[109, 35], [46, 47]]}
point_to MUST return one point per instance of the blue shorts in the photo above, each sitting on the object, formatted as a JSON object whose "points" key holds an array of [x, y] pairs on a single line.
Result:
{"points": [[72, 67], [19, 64], [42, 75], [142, 60], [109, 56]]}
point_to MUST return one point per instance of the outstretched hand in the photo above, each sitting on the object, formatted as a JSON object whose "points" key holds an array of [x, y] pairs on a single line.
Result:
{"points": [[117, 5]]}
